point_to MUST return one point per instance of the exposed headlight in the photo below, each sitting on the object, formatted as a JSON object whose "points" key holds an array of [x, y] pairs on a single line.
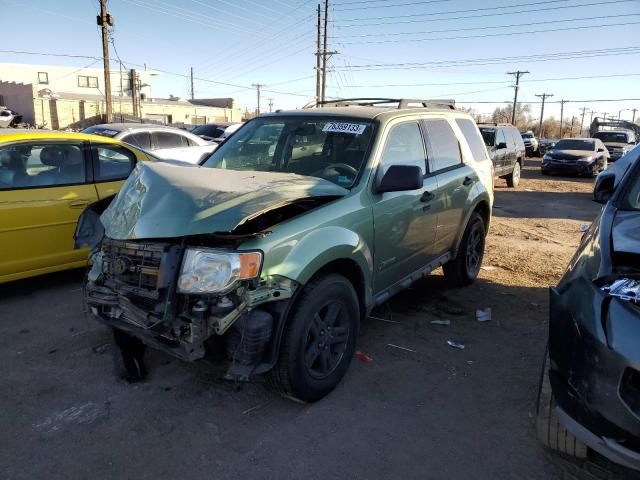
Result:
{"points": [[215, 271], [586, 159]]}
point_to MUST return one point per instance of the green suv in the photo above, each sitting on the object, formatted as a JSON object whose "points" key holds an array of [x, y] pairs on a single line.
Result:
{"points": [[270, 253]]}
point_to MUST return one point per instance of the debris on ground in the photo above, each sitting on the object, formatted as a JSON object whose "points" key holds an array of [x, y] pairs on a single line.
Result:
{"points": [[100, 349], [483, 315], [249, 410], [363, 357], [453, 344], [584, 227], [487, 267], [441, 322], [383, 319], [401, 348]]}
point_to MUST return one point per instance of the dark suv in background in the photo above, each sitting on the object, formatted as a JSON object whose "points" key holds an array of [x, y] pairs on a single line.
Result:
{"points": [[506, 149]]}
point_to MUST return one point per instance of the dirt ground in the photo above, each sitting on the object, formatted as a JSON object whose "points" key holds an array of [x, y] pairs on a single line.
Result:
{"points": [[427, 411]]}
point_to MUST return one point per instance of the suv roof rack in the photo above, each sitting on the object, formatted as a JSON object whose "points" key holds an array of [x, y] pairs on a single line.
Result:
{"points": [[382, 102]]}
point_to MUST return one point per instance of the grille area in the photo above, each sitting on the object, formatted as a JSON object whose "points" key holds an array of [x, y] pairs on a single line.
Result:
{"points": [[135, 264]]}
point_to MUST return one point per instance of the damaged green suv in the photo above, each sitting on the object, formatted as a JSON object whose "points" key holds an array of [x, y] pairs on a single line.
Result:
{"points": [[269, 253]]}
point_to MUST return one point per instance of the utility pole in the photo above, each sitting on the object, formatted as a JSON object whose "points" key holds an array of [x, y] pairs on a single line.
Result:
{"points": [[573, 120], [192, 91], [258, 86], [270, 104], [584, 109], [318, 53], [634, 110], [591, 118], [562, 102], [543, 96], [515, 96], [133, 85], [104, 21], [324, 51]]}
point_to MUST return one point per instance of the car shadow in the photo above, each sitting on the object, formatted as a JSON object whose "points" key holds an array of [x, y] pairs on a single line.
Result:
{"points": [[33, 285]]}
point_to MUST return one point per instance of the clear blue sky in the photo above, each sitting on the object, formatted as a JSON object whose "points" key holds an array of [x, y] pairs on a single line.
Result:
{"points": [[242, 42]]}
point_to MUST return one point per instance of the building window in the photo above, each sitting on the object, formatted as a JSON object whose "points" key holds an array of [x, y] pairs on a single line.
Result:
{"points": [[87, 82], [43, 77]]}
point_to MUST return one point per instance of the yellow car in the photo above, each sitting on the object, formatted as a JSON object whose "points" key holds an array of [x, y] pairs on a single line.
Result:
{"points": [[46, 181]]}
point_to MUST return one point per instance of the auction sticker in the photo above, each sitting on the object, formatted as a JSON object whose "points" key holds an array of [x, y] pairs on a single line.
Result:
{"points": [[339, 127]]}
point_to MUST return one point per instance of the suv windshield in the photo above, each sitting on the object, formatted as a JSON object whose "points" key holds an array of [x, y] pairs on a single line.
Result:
{"points": [[575, 145], [620, 137], [331, 148], [489, 136], [526, 135]]}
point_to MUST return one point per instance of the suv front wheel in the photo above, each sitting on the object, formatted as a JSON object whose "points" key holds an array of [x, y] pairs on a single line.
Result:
{"points": [[319, 339], [464, 269]]}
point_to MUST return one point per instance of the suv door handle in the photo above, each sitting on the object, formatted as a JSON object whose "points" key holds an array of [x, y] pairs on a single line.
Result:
{"points": [[467, 181], [427, 197]]}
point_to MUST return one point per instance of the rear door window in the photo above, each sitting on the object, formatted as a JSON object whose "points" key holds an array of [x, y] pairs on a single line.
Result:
{"points": [[444, 149], [140, 139], [473, 137], [113, 162], [162, 140]]}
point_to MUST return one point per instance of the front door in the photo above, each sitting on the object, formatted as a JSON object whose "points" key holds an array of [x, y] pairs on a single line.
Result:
{"points": [[404, 222], [44, 187]]}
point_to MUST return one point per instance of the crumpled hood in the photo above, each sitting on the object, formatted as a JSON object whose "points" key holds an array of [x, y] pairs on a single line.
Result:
{"points": [[626, 232], [161, 200]]}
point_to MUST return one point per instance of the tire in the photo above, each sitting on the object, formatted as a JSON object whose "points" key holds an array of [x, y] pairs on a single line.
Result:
{"points": [[545, 172], [551, 433], [128, 357], [464, 269], [308, 366], [513, 179]]}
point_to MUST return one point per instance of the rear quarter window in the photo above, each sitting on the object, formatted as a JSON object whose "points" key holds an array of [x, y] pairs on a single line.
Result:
{"points": [[474, 139]]}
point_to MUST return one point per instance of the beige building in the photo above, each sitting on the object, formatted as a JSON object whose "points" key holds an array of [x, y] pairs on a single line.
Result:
{"points": [[68, 101]]}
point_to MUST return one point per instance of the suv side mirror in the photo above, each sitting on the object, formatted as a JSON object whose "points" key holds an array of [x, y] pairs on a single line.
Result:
{"points": [[600, 149], [604, 187], [501, 146], [400, 178]]}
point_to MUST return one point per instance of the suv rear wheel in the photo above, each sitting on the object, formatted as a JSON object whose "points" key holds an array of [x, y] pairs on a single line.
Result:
{"points": [[513, 179], [464, 269], [550, 431], [319, 339]]}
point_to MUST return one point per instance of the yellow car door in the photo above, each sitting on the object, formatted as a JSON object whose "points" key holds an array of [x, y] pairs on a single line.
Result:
{"points": [[112, 164], [44, 187]]}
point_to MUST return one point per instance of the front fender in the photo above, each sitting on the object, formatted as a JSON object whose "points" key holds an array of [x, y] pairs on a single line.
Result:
{"points": [[477, 197], [309, 254]]}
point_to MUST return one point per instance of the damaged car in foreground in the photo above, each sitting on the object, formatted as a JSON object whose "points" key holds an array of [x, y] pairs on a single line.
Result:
{"points": [[590, 389], [272, 250]]}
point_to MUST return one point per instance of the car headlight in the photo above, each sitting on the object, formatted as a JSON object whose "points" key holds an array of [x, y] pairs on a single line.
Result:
{"points": [[586, 159], [216, 271], [546, 157]]}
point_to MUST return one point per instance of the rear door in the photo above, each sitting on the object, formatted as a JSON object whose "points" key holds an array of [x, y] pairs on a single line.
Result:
{"points": [[455, 179], [112, 164], [45, 187], [404, 222]]}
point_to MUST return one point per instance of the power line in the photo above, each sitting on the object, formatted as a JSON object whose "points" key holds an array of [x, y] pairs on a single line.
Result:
{"points": [[565, 101], [513, 25], [585, 77], [430, 14], [501, 60], [492, 14], [502, 34], [424, 2]]}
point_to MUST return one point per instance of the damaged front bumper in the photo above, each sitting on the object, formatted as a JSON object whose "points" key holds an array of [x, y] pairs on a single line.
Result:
{"points": [[132, 287], [595, 368]]}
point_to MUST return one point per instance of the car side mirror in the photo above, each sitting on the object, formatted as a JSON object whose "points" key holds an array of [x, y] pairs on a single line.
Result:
{"points": [[502, 145], [400, 178], [600, 149], [604, 187]]}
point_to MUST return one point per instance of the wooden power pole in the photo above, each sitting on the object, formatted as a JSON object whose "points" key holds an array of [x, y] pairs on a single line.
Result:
{"points": [[258, 86], [318, 53], [562, 102], [543, 96], [192, 92], [104, 21], [324, 51], [516, 87]]}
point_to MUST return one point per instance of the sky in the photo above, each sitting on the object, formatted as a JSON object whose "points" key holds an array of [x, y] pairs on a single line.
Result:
{"points": [[460, 49]]}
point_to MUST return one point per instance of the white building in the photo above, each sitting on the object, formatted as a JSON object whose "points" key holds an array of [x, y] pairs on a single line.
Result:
{"points": [[81, 81]]}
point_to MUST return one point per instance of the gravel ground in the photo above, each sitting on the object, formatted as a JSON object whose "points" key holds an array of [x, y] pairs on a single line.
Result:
{"points": [[429, 412]]}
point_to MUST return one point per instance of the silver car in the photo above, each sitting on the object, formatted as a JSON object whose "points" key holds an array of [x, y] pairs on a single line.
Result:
{"points": [[165, 142]]}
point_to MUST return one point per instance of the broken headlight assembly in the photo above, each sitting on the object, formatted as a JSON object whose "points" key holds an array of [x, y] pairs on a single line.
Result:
{"points": [[216, 271], [625, 288]]}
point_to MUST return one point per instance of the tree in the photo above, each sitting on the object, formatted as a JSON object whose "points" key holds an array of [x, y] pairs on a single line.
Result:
{"points": [[523, 117]]}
